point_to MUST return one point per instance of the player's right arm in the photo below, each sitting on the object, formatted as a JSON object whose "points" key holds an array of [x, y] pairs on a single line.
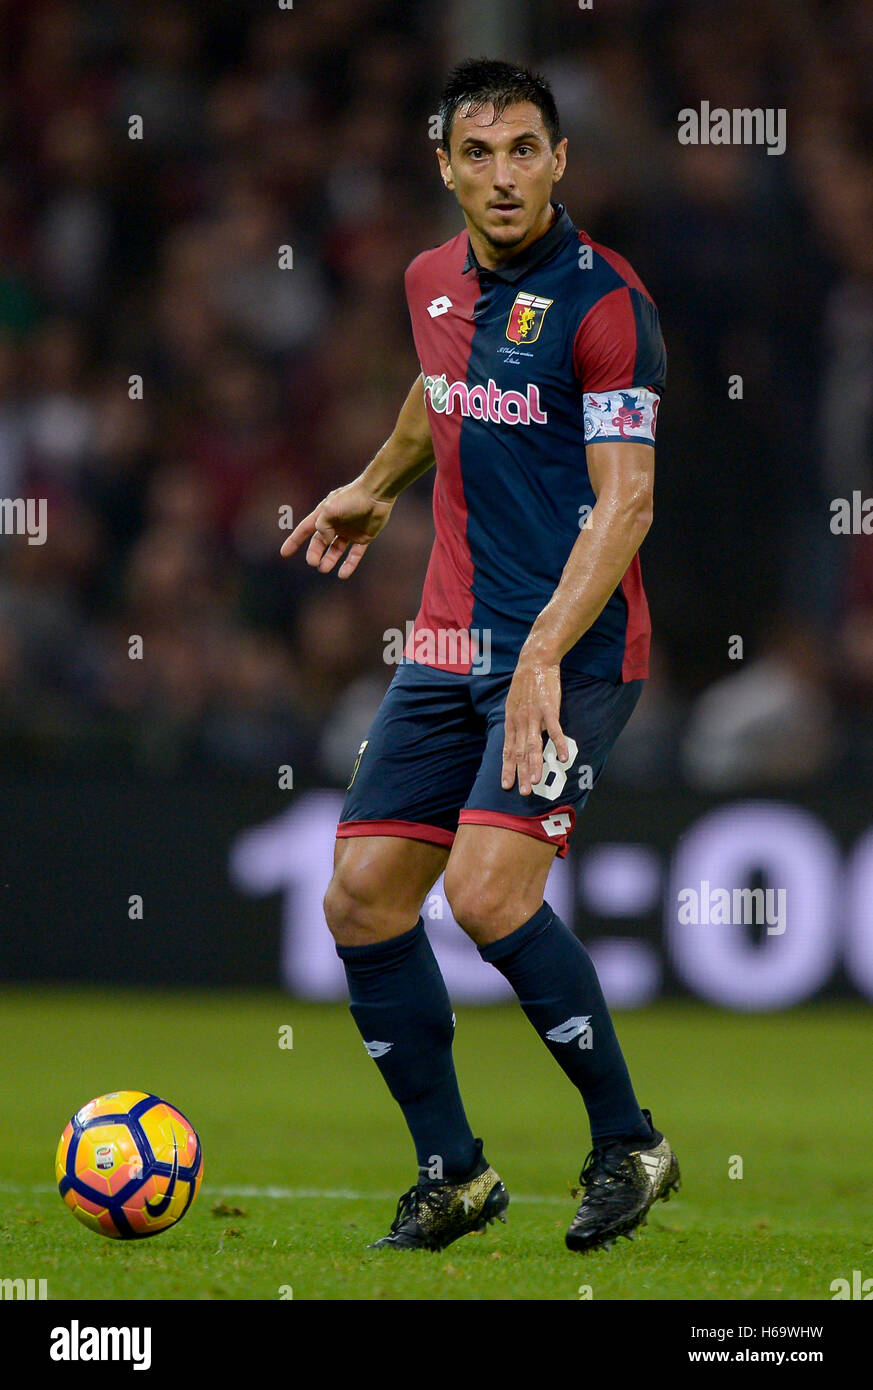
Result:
{"points": [[350, 517]]}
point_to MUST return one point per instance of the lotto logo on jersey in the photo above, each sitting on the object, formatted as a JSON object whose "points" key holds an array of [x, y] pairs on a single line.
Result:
{"points": [[526, 318], [486, 402]]}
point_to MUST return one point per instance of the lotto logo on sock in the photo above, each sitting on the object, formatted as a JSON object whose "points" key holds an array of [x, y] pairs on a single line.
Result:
{"points": [[377, 1049], [577, 1027]]}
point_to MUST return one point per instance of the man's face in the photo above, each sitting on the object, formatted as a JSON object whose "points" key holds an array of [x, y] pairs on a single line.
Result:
{"points": [[502, 174]]}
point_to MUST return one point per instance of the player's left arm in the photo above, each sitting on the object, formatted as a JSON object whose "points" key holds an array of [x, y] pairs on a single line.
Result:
{"points": [[622, 476]]}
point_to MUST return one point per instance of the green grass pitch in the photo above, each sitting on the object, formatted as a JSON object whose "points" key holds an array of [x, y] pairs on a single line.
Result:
{"points": [[306, 1154]]}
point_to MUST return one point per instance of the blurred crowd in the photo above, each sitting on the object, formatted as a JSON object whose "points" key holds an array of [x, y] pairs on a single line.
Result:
{"points": [[169, 388]]}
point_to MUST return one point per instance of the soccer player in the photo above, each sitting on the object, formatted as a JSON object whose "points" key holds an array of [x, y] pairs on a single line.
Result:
{"points": [[542, 364]]}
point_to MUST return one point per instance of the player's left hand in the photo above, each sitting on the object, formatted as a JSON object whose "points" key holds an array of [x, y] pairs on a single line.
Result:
{"points": [[533, 705]]}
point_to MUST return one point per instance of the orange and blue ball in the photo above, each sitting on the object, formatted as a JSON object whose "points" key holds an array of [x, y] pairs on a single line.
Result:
{"points": [[129, 1165]]}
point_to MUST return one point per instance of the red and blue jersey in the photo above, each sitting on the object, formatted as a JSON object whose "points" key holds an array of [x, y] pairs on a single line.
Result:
{"points": [[523, 366]]}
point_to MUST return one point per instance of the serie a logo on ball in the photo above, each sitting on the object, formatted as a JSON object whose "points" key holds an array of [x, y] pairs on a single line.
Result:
{"points": [[129, 1165]]}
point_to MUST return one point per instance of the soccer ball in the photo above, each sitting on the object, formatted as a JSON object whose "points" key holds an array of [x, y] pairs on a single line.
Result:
{"points": [[128, 1165]]}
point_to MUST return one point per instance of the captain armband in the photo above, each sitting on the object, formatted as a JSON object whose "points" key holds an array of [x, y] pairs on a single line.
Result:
{"points": [[630, 414]]}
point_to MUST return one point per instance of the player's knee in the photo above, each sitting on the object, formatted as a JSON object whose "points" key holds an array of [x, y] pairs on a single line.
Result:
{"points": [[357, 907], [481, 906], [349, 906]]}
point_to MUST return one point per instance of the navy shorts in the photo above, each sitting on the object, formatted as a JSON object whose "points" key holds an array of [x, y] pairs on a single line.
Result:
{"points": [[434, 755]]}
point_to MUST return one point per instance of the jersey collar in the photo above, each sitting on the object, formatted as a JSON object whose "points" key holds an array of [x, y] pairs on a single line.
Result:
{"points": [[538, 250]]}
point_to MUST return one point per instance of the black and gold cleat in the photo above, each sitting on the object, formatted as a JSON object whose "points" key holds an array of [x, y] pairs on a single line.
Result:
{"points": [[431, 1216], [621, 1181]]}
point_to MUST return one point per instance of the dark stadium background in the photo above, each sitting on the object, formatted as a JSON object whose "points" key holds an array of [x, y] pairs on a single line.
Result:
{"points": [[158, 257]]}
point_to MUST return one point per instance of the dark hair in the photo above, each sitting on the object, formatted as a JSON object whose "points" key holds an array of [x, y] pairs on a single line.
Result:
{"points": [[481, 82]]}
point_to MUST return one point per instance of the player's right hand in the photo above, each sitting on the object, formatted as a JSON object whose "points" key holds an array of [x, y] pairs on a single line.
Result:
{"points": [[345, 522]]}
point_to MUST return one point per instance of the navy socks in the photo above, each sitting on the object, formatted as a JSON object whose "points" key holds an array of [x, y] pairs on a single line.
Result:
{"points": [[399, 1001], [557, 986]]}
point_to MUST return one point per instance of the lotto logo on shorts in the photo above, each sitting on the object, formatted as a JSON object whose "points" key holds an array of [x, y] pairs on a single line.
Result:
{"points": [[558, 823]]}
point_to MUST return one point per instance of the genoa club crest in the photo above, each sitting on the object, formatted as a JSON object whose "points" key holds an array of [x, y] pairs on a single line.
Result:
{"points": [[526, 318]]}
